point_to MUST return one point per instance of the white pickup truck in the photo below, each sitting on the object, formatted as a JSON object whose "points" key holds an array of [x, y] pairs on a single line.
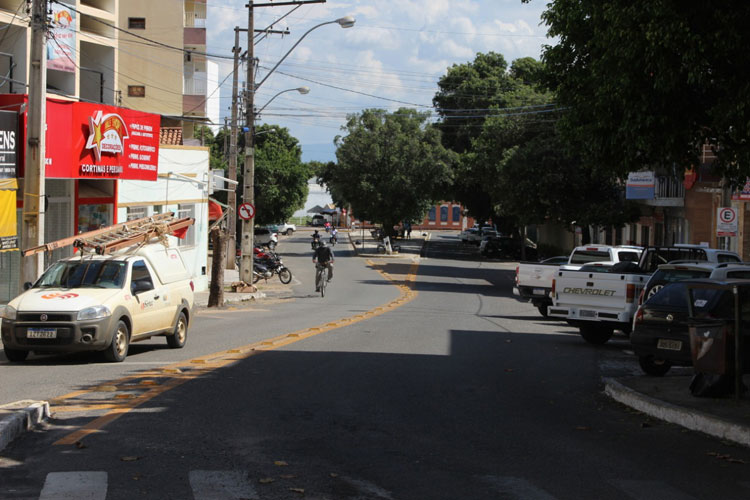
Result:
{"points": [[601, 301], [102, 303], [533, 281]]}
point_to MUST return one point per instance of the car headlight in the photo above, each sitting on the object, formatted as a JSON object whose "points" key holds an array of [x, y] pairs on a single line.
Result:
{"points": [[8, 312], [94, 312]]}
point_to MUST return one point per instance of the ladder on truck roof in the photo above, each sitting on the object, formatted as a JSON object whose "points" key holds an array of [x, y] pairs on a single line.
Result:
{"points": [[112, 238]]}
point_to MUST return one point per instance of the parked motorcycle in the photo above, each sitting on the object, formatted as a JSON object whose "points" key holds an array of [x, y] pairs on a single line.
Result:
{"points": [[273, 264]]}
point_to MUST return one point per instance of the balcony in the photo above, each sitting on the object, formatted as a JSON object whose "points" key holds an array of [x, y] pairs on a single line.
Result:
{"points": [[197, 84], [195, 19], [668, 192]]}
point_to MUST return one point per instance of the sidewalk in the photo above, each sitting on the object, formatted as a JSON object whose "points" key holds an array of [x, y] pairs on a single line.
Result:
{"points": [[668, 398]]}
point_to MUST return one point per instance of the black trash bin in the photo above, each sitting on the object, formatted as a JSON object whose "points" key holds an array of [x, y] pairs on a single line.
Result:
{"points": [[709, 346]]}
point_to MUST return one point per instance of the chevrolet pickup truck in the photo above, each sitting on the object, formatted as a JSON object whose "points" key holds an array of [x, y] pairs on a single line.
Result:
{"points": [[601, 301], [101, 303], [533, 281]]}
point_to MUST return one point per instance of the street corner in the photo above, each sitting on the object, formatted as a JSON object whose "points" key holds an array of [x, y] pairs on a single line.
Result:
{"points": [[19, 417]]}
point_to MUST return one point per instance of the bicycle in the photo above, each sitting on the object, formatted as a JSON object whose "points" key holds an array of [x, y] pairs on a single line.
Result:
{"points": [[321, 279]]}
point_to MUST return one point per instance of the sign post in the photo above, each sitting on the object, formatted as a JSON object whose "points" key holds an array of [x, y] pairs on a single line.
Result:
{"points": [[246, 211], [726, 221]]}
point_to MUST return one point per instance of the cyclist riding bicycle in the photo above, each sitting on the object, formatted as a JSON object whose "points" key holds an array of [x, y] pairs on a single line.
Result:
{"points": [[323, 259], [315, 239]]}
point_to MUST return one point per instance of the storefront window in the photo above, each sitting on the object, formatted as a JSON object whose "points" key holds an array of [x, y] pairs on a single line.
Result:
{"points": [[92, 217]]}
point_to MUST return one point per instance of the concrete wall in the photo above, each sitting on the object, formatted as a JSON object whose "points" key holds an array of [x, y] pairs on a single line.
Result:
{"points": [[170, 191]]}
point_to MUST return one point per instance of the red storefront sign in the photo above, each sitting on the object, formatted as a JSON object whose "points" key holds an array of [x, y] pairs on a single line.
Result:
{"points": [[94, 141]]}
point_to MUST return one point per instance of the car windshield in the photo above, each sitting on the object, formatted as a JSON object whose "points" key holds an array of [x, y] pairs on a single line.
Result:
{"points": [[84, 274]]}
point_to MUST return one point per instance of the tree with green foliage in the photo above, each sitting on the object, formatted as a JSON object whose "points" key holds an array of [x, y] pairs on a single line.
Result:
{"points": [[648, 83], [391, 166], [280, 175]]}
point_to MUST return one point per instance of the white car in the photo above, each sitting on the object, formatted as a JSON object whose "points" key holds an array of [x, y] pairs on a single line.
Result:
{"points": [[102, 303], [286, 228], [266, 237]]}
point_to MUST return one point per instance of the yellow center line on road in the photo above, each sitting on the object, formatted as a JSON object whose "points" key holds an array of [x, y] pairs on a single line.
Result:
{"points": [[176, 374]]}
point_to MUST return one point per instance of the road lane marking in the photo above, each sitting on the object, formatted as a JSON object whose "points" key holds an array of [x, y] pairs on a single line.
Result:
{"points": [[77, 485], [170, 376]]}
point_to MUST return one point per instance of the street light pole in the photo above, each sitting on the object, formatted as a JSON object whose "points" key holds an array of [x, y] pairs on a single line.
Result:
{"points": [[248, 227], [301, 90]]}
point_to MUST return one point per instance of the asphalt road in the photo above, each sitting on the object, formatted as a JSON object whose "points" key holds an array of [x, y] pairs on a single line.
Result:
{"points": [[434, 386]]}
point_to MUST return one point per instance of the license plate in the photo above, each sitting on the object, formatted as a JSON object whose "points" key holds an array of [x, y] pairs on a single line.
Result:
{"points": [[669, 345], [538, 291], [41, 333], [585, 313]]}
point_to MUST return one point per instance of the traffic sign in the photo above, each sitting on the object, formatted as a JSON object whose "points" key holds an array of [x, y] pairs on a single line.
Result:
{"points": [[726, 221], [246, 211]]}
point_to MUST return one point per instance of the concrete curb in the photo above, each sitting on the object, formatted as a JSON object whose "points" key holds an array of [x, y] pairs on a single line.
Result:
{"points": [[19, 417], [690, 419]]}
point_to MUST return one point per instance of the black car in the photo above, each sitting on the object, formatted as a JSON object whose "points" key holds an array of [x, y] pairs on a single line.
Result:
{"points": [[660, 335]]}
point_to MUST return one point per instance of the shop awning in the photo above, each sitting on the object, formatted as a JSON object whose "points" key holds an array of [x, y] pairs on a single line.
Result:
{"points": [[8, 219]]}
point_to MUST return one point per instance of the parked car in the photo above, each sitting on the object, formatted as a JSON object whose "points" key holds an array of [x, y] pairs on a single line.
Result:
{"points": [[470, 235], [286, 228], [318, 220], [265, 237], [660, 330], [102, 303]]}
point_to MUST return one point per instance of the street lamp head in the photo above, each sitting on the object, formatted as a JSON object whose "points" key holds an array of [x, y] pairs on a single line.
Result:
{"points": [[303, 90], [346, 22]]}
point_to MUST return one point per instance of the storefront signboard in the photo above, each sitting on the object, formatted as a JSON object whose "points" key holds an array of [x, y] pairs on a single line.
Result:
{"points": [[640, 186], [61, 43], [8, 144]]}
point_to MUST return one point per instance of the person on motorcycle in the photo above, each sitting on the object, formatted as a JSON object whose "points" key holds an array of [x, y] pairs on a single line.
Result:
{"points": [[315, 239], [334, 235], [323, 258]]}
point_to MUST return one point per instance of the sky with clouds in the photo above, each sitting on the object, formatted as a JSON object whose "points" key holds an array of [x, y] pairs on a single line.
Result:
{"points": [[391, 58]]}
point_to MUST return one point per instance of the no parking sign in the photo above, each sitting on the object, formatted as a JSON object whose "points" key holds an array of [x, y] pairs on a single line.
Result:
{"points": [[726, 221]]}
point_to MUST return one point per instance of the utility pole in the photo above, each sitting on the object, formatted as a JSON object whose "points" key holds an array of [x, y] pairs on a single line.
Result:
{"points": [[248, 187], [232, 194], [248, 180], [33, 186]]}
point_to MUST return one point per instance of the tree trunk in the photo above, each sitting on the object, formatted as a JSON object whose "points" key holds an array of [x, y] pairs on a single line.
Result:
{"points": [[216, 294]]}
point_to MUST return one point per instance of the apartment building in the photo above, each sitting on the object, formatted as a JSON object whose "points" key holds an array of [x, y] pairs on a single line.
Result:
{"points": [[172, 77], [98, 70]]}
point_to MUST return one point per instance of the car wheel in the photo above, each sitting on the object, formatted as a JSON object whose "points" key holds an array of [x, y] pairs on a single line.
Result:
{"points": [[289, 232], [179, 336], [285, 275], [15, 355], [654, 366], [596, 335], [118, 348]]}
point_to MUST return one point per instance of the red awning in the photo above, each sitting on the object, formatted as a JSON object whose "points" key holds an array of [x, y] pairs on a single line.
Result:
{"points": [[214, 211]]}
